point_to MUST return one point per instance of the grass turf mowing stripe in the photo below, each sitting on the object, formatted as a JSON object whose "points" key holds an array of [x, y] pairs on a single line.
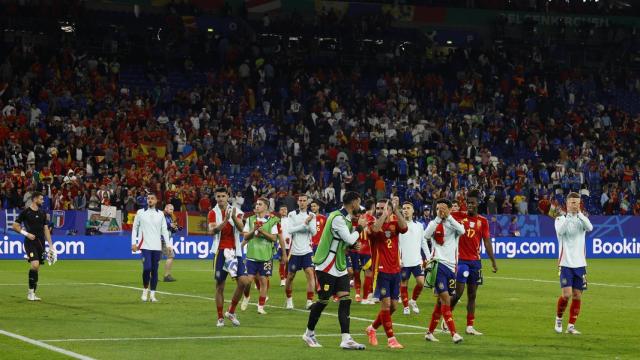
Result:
{"points": [[45, 346], [254, 304]]}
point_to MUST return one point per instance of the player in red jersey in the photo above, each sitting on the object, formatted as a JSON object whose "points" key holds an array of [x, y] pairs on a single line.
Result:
{"points": [[320, 221], [364, 258], [476, 229], [386, 265]]}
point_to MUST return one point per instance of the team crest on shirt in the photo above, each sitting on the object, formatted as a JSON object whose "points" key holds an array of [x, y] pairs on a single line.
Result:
{"points": [[387, 234], [326, 287], [472, 225], [30, 254], [564, 281]]}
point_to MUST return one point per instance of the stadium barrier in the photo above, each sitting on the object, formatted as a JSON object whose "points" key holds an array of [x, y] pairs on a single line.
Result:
{"points": [[612, 237]]}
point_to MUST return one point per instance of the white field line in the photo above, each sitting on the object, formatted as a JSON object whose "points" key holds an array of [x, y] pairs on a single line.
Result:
{"points": [[220, 337], [45, 346], [55, 284]]}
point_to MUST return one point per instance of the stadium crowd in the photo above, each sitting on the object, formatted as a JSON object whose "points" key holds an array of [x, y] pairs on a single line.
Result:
{"points": [[511, 122]]}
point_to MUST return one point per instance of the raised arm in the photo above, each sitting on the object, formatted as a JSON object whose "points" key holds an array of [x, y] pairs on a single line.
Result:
{"points": [[457, 227], [585, 222]]}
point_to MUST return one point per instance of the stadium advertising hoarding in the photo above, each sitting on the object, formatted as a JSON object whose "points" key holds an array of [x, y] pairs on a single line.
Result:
{"points": [[116, 247], [612, 237]]}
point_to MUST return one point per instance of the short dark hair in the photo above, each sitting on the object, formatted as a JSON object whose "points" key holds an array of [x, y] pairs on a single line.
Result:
{"points": [[303, 195], [349, 197], [264, 200], [36, 194], [573, 195], [408, 203], [283, 206], [473, 194], [151, 193], [222, 189], [315, 202], [444, 201], [369, 203], [454, 202], [383, 200]]}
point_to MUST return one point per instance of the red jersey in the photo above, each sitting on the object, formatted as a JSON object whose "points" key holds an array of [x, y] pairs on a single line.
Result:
{"points": [[365, 244], [321, 220], [476, 228], [385, 247], [227, 239]]}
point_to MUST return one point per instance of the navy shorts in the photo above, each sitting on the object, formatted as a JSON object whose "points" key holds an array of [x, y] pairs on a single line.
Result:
{"points": [[411, 270], [300, 262], [469, 271], [574, 277], [445, 280], [357, 261], [150, 259], [262, 268], [388, 285], [218, 267]]}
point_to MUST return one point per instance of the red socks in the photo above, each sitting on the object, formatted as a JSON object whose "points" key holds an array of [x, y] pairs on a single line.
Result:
{"points": [[574, 311], [262, 300], [416, 292], [471, 317], [356, 281], [282, 271], [368, 285], [377, 322], [309, 295], [404, 295], [219, 311], [232, 308], [448, 318], [435, 318], [288, 292], [562, 305], [385, 315]]}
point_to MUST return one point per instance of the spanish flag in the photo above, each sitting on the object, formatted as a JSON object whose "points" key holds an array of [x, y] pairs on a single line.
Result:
{"points": [[197, 224], [158, 147]]}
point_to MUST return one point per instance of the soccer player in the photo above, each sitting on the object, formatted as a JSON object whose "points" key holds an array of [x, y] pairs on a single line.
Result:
{"points": [[411, 244], [32, 224], [445, 231], [364, 257], [260, 235], [331, 269], [286, 236], [169, 253], [225, 223], [571, 229], [469, 270], [386, 266], [149, 228], [321, 220], [302, 227]]}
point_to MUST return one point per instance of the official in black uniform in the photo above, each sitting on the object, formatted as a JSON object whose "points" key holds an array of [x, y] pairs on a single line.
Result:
{"points": [[32, 223]]}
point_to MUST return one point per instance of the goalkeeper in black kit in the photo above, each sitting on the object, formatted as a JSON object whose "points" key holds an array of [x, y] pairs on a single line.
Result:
{"points": [[32, 223]]}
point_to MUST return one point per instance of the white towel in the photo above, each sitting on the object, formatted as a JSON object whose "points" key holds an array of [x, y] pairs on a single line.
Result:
{"points": [[230, 262]]}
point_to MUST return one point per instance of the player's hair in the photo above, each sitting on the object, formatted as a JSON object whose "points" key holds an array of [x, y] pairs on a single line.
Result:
{"points": [[383, 200], [444, 201], [263, 200], [573, 195], [349, 197], [315, 202], [369, 203], [36, 194], [283, 205], [222, 189], [303, 195], [473, 194], [407, 203], [151, 193], [454, 202]]}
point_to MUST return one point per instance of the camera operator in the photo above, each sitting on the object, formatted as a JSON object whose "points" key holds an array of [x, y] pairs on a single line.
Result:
{"points": [[168, 251]]}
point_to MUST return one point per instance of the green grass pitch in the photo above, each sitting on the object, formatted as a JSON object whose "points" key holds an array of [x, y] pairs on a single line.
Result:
{"points": [[93, 308]]}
